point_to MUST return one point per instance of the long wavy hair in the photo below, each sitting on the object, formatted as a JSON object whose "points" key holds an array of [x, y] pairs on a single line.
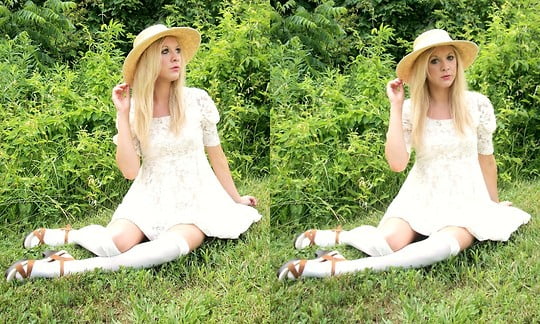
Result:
{"points": [[146, 74], [420, 97]]}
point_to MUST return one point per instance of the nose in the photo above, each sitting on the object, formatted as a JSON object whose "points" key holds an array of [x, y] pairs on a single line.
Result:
{"points": [[445, 66], [175, 57]]}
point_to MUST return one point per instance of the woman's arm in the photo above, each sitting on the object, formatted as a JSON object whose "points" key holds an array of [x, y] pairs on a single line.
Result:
{"points": [[126, 157], [219, 163], [395, 149], [489, 171]]}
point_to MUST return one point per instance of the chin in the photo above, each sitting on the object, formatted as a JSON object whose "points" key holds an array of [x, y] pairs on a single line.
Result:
{"points": [[172, 79]]}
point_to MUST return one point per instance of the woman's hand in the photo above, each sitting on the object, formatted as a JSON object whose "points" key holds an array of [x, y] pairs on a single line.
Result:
{"points": [[395, 92], [248, 201], [121, 97], [395, 148]]}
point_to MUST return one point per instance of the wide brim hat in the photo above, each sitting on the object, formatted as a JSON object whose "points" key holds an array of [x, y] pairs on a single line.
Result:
{"points": [[432, 38], [189, 40]]}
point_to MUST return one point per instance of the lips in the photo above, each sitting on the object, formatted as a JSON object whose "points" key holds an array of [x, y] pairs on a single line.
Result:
{"points": [[446, 77]]}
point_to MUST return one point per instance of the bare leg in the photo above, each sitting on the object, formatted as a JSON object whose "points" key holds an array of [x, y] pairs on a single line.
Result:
{"points": [[119, 236], [397, 232], [462, 235], [191, 233], [125, 234]]}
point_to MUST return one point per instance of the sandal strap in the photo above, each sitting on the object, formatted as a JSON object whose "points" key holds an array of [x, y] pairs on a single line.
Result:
{"points": [[60, 258], [311, 236], [333, 259], [56, 257], [292, 268], [66, 231], [338, 230], [25, 273], [40, 234]]}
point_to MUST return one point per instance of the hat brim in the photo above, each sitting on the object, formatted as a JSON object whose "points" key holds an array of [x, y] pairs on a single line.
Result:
{"points": [[467, 50], [189, 40]]}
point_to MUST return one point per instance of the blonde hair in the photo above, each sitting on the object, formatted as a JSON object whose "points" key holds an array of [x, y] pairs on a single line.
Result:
{"points": [[146, 74], [419, 91]]}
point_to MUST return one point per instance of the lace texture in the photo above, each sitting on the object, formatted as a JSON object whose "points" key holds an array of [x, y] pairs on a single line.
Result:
{"points": [[176, 185], [445, 187]]}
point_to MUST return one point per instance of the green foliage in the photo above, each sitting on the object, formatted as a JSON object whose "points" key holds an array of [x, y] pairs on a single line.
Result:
{"points": [[135, 15], [46, 23], [328, 131], [508, 72], [56, 152], [466, 19], [318, 29], [234, 67]]}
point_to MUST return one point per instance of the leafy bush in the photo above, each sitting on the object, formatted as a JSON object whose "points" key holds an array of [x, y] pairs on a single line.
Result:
{"points": [[318, 27], [234, 67], [328, 132], [45, 22], [508, 72], [56, 152]]}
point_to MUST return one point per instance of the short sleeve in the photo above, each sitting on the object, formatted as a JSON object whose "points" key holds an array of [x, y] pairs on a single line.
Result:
{"points": [[406, 124], [486, 125], [136, 143], [210, 117]]}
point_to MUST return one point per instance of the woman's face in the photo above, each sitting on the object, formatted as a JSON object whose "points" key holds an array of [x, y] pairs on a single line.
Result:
{"points": [[442, 66], [170, 60]]}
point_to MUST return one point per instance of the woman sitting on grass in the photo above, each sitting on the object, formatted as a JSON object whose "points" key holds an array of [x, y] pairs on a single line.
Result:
{"points": [[176, 200], [449, 198]]}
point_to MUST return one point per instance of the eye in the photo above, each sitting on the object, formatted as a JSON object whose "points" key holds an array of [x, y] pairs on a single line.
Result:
{"points": [[450, 57], [165, 51], [178, 50], [434, 61]]}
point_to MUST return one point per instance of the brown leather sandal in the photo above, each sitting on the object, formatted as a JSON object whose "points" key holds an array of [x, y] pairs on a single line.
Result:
{"points": [[310, 234], [24, 267], [333, 257], [322, 256], [40, 234]]}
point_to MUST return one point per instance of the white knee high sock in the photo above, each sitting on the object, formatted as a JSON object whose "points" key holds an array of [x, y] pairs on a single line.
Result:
{"points": [[166, 248], [96, 239], [439, 246], [367, 239]]}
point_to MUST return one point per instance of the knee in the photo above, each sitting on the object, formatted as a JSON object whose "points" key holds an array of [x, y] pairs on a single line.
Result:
{"points": [[461, 234], [191, 234], [121, 244], [124, 240], [395, 243]]}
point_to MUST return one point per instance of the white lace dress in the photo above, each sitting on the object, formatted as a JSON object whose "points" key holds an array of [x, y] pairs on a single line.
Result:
{"points": [[446, 186], [176, 185]]}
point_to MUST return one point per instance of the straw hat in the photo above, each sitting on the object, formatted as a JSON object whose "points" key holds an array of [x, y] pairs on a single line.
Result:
{"points": [[188, 40], [430, 39]]}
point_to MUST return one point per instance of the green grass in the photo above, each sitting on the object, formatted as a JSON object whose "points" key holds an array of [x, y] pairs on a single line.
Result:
{"points": [[222, 281], [492, 282], [234, 281]]}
